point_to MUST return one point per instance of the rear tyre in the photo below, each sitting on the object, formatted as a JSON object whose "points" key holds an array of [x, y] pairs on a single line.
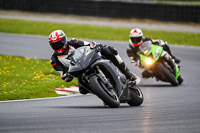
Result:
{"points": [[108, 96], [136, 97], [180, 79], [168, 75]]}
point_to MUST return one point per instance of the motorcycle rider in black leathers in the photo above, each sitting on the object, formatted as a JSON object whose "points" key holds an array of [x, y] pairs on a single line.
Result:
{"points": [[136, 38], [63, 49]]}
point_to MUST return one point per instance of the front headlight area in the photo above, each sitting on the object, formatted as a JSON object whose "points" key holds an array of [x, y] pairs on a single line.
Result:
{"points": [[148, 61]]}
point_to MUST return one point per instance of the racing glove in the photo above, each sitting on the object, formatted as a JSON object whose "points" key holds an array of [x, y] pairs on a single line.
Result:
{"points": [[67, 77], [137, 63], [98, 47], [134, 61]]}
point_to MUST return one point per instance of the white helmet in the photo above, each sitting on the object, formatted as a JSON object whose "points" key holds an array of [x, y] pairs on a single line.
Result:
{"points": [[136, 36]]}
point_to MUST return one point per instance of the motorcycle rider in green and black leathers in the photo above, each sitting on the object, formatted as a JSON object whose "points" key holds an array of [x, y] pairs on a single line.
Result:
{"points": [[136, 39], [63, 49]]}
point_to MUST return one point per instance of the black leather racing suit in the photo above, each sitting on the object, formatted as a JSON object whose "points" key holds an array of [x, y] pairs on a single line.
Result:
{"points": [[61, 62]]}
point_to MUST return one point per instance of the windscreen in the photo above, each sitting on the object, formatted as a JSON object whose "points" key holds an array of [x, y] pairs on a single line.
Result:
{"points": [[145, 47], [80, 53]]}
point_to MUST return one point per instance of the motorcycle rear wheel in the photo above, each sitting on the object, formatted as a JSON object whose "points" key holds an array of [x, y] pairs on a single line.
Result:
{"points": [[180, 80], [136, 97], [109, 97]]}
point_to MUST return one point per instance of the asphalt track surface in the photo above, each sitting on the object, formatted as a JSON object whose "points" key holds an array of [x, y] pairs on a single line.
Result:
{"points": [[166, 109]]}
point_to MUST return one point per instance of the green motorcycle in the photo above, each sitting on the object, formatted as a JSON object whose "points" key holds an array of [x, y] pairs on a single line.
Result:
{"points": [[159, 64]]}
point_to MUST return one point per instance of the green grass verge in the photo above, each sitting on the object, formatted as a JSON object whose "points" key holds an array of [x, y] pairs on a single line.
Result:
{"points": [[24, 78], [180, 2], [94, 32]]}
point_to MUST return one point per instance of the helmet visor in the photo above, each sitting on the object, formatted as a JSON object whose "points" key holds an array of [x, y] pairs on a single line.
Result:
{"points": [[59, 44], [136, 39]]}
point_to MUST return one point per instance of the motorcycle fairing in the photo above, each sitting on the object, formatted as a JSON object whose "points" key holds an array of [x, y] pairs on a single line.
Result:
{"points": [[156, 51], [145, 52], [177, 71], [169, 58], [81, 59]]}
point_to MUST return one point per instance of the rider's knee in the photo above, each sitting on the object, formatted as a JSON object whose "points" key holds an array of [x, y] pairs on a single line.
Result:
{"points": [[112, 50]]}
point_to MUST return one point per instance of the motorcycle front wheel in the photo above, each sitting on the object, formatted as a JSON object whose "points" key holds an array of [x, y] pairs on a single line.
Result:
{"points": [[108, 96]]}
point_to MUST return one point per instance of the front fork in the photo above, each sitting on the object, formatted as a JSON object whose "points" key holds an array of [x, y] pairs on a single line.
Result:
{"points": [[103, 78]]}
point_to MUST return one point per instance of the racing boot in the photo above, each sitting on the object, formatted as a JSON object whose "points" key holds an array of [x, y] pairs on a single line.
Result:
{"points": [[131, 79], [83, 90], [129, 76], [166, 47]]}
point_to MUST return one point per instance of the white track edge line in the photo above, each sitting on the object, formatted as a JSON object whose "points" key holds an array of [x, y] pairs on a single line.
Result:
{"points": [[38, 99]]}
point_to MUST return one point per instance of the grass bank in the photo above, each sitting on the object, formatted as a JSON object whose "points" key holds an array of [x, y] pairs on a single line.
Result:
{"points": [[24, 78], [94, 32]]}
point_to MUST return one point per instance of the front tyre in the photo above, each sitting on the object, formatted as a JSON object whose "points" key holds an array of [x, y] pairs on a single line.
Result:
{"points": [[167, 74], [108, 96], [136, 96]]}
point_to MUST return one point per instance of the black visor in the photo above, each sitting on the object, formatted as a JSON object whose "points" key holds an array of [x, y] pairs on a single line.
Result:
{"points": [[136, 39], [58, 45]]}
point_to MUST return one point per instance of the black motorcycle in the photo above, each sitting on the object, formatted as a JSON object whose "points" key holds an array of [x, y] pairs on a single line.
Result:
{"points": [[101, 77]]}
